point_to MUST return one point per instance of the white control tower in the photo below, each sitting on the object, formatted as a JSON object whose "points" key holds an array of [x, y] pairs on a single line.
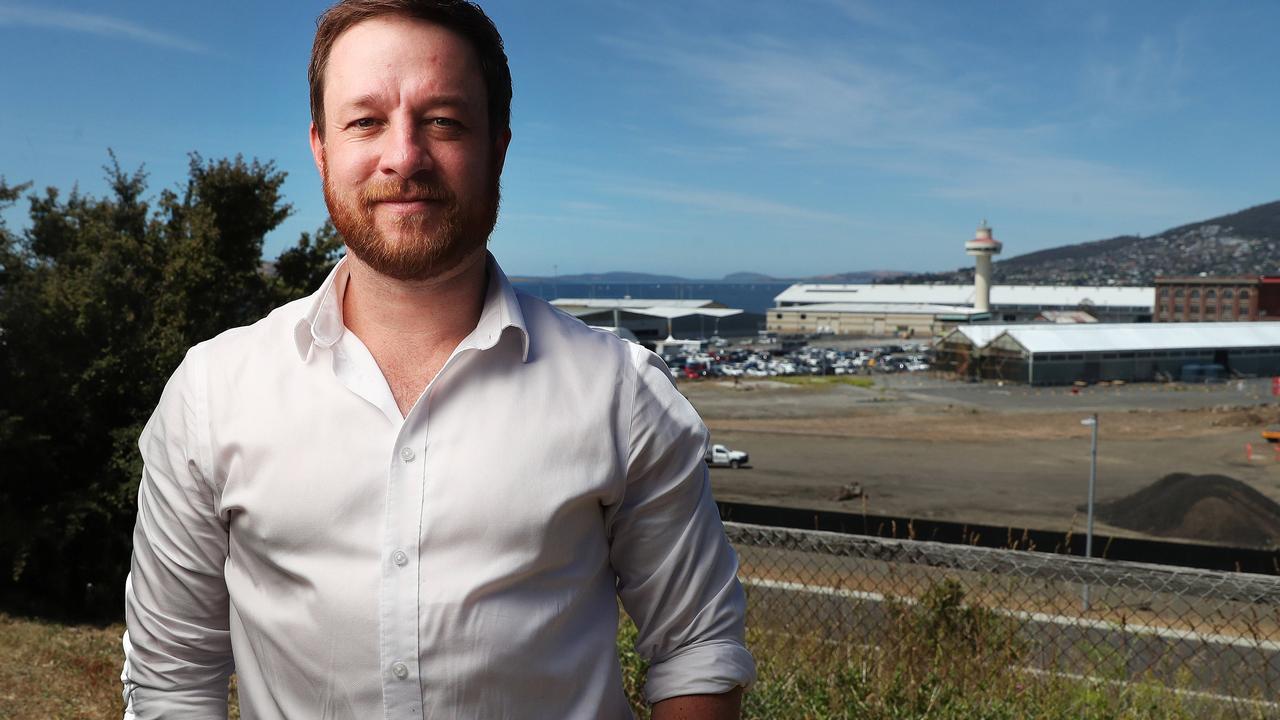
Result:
{"points": [[982, 247]]}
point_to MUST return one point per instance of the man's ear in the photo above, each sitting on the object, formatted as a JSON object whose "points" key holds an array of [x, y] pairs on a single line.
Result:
{"points": [[500, 145], [317, 149]]}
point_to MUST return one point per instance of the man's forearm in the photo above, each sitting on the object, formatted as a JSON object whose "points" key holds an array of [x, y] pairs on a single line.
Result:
{"points": [[725, 706]]}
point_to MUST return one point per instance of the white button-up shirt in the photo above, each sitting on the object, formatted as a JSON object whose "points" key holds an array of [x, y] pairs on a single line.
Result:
{"points": [[461, 562]]}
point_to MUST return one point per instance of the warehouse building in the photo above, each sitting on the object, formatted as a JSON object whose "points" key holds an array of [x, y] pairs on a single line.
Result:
{"points": [[931, 310], [651, 320], [960, 350], [1009, 304], [928, 310], [1043, 354], [875, 319]]}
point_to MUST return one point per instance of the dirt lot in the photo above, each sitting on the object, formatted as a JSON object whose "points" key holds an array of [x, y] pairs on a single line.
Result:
{"points": [[930, 448]]}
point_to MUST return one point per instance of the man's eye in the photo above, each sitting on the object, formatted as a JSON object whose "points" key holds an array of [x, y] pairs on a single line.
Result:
{"points": [[444, 122], [364, 123]]}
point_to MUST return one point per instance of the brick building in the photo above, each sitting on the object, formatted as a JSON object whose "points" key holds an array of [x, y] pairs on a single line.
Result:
{"points": [[1216, 299]]}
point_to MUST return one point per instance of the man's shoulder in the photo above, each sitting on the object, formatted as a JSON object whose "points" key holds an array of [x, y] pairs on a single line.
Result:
{"points": [[273, 333]]}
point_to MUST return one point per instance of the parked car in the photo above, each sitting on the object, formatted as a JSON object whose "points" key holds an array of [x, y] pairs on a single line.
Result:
{"points": [[693, 371], [721, 456]]}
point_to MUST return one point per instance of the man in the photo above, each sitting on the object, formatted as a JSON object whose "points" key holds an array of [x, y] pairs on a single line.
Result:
{"points": [[419, 493]]}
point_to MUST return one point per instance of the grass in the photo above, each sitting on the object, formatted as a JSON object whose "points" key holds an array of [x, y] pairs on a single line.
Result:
{"points": [[824, 380], [938, 659], [49, 670]]}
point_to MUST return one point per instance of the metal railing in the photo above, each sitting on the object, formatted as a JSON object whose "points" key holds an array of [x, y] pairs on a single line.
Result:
{"points": [[1200, 632]]}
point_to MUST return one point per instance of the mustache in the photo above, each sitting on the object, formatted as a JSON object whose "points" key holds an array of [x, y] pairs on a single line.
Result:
{"points": [[404, 190]]}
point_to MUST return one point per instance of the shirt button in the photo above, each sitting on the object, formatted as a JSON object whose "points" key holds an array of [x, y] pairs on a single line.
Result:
{"points": [[400, 671], [406, 454], [399, 557]]}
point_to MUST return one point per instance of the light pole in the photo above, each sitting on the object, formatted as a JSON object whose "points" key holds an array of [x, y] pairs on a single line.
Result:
{"points": [[1091, 421]]}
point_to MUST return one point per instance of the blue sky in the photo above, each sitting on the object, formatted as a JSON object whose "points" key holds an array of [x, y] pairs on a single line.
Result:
{"points": [[706, 137]]}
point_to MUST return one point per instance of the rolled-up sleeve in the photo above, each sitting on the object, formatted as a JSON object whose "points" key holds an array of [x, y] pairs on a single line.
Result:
{"points": [[677, 573], [177, 645]]}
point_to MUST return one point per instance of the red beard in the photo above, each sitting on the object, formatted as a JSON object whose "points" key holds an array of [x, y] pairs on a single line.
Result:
{"points": [[427, 244]]}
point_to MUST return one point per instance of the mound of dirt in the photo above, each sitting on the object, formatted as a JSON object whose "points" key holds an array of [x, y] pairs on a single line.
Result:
{"points": [[1214, 508]]}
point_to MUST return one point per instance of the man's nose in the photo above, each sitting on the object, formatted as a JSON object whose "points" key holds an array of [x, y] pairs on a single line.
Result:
{"points": [[406, 153]]}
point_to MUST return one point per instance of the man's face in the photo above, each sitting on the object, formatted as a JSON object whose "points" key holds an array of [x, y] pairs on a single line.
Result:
{"points": [[410, 173]]}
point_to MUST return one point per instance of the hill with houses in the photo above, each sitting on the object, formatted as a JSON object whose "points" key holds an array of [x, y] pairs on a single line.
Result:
{"points": [[1242, 243]]}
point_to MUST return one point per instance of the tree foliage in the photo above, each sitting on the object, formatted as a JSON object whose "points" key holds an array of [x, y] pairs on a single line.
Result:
{"points": [[99, 300]]}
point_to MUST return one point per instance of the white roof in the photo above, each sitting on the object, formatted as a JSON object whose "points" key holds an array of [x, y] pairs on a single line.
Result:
{"points": [[1066, 316], [625, 303], [621, 332], [977, 335], [672, 313], [719, 312], [883, 309], [661, 311], [1125, 337], [1001, 295]]}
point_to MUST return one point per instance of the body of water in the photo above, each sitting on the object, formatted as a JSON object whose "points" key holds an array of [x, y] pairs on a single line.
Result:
{"points": [[754, 298]]}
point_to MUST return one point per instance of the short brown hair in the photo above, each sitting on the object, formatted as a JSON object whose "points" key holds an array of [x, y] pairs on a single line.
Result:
{"points": [[462, 17]]}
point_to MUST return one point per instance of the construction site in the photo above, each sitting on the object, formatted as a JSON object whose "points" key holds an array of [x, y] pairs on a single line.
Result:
{"points": [[924, 447]]}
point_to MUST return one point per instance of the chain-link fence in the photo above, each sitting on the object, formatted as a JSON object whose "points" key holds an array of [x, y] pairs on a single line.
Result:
{"points": [[1205, 634]]}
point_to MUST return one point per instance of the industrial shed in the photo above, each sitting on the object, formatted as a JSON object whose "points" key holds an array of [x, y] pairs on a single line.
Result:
{"points": [[1009, 303], [959, 350], [877, 319], [1063, 354], [650, 320]]}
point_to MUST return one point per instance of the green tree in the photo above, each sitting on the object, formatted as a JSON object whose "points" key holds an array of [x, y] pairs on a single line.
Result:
{"points": [[302, 268], [99, 300]]}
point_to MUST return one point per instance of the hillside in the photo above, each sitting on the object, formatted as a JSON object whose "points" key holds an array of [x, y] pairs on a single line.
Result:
{"points": [[1242, 243], [620, 278]]}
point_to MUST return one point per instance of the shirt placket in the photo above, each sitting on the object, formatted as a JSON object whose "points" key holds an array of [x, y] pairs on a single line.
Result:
{"points": [[398, 626]]}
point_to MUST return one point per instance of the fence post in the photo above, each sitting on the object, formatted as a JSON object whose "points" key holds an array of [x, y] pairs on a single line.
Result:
{"points": [[1092, 422]]}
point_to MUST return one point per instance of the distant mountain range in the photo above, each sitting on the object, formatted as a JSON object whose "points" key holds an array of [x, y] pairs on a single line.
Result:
{"points": [[1242, 243], [738, 278]]}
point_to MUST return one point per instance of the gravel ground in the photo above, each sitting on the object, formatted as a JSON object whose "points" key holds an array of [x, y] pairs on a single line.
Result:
{"points": [[926, 447]]}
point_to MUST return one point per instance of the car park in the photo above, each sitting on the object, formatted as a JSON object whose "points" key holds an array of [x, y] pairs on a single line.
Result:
{"points": [[750, 361]]}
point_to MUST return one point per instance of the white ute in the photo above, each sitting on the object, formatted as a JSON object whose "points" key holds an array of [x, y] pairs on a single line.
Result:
{"points": [[720, 456]]}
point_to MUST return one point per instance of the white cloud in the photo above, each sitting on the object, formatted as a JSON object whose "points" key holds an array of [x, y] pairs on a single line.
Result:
{"points": [[584, 206], [877, 116], [511, 220], [871, 14], [96, 25], [729, 203], [1147, 80], [1051, 183], [801, 98]]}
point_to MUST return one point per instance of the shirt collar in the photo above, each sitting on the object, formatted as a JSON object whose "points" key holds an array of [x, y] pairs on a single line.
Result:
{"points": [[501, 311], [322, 325]]}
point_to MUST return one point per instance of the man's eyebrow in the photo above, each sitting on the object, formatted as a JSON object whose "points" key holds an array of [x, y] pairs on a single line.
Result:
{"points": [[370, 101], [457, 101]]}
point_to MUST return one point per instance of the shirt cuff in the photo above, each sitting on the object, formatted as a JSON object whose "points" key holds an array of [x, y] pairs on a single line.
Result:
{"points": [[709, 669]]}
